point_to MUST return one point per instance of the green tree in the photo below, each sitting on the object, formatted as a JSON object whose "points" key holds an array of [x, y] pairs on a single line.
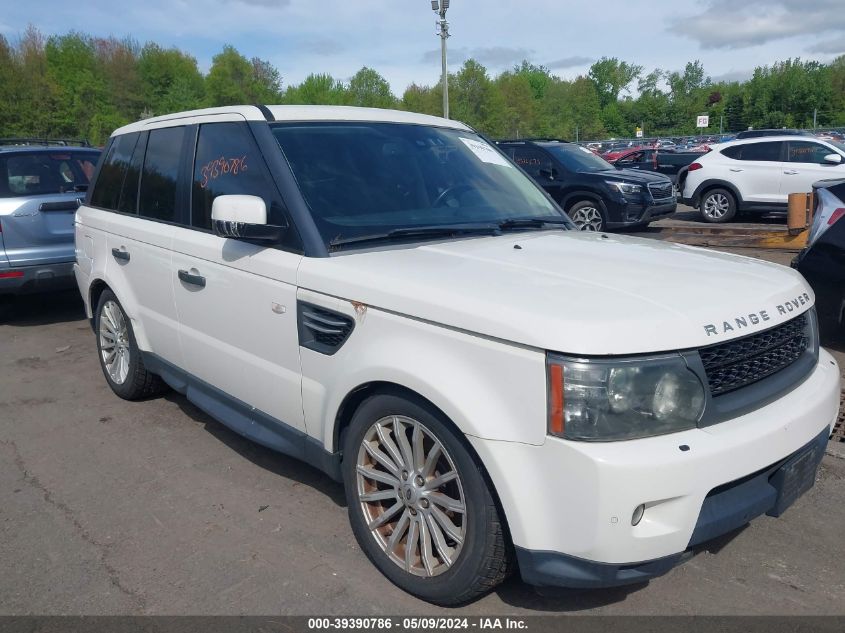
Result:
{"points": [[369, 89], [168, 77], [612, 77], [317, 89]]}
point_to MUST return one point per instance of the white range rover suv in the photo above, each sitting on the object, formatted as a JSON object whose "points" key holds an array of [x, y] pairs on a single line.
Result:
{"points": [[756, 175], [389, 298]]}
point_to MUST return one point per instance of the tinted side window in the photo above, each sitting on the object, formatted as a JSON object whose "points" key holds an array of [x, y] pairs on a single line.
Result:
{"points": [[160, 174], [106, 194], [808, 152], [765, 152], [228, 162], [532, 160], [129, 192]]}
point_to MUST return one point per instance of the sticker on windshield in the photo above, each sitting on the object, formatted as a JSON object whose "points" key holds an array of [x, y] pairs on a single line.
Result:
{"points": [[485, 153]]}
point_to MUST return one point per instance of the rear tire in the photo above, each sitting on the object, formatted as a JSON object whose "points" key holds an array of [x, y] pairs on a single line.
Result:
{"points": [[718, 206], [467, 553], [120, 358]]}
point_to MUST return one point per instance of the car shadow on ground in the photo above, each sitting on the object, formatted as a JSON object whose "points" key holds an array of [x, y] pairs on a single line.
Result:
{"points": [[41, 309], [559, 600], [265, 458]]}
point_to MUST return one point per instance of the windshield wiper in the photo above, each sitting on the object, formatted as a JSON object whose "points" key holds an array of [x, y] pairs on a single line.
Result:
{"points": [[532, 223], [433, 231]]}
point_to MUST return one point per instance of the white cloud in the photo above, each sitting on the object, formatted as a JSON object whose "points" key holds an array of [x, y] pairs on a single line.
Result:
{"points": [[569, 62], [493, 56], [730, 24]]}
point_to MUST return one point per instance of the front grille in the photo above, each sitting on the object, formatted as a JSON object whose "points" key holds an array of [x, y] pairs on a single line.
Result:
{"points": [[735, 364], [660, 190]]}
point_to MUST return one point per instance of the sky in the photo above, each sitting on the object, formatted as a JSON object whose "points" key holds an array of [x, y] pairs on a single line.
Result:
{"points": [[397, 37]]}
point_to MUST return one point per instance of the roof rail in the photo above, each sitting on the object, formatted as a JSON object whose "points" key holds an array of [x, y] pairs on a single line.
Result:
{"points": [[61, 142], [539, 139]]}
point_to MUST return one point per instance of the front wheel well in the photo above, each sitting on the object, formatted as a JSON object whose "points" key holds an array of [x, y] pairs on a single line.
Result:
{"points": [[357, 396]]}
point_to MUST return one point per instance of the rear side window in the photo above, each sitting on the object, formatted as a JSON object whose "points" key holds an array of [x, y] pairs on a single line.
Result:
{"points": [[159, 176], [106, 194], [765, 152], [531, 160], [129, 191], [36, 173]]}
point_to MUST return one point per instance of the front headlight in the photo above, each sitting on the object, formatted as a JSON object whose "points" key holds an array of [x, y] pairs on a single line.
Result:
{"points": [[622, 399], [623, 187]]}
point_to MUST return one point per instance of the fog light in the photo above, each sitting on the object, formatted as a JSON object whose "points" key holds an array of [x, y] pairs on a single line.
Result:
{"points": [[638, 514]]}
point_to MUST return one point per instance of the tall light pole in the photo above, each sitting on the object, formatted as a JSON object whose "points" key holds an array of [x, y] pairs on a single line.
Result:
{"points": [[439, 7]]}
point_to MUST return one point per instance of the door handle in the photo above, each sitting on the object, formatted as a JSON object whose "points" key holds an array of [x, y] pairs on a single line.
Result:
{"points": [[790, 172], [120, 255], [736, 169], [190, 278]]}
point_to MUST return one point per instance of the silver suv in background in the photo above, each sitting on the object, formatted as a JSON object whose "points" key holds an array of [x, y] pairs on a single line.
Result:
{"points": [[42, 182]]}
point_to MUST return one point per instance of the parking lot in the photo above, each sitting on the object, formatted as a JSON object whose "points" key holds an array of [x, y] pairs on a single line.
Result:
{"points": [[111, 507]]}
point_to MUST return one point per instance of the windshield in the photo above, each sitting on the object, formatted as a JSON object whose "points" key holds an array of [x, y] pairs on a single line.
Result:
{"points": [[838, 145], [578, 159], [364, 179]]}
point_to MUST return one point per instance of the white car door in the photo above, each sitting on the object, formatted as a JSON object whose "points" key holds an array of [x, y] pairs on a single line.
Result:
{"points": [[236, 301], [135, 249], [807, 165], [756, 170]]}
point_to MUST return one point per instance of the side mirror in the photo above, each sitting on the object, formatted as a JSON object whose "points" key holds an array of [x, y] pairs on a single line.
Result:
{"points": [[243, 218], [833, 159]]}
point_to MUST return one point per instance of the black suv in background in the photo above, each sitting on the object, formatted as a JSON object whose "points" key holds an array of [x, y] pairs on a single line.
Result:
{"points": [[596, 195]]}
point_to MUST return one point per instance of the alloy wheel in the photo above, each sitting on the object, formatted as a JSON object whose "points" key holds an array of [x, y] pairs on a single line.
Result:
{"points": [[114, 342], [716, 206], [587, 219], [411, 496]]}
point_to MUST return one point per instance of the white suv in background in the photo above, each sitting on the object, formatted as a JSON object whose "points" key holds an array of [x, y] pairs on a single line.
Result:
{"points": [[758, 174], [387, 297]]}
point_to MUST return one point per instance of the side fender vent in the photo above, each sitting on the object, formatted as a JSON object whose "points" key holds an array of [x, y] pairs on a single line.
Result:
{"points": [[324, 331]]}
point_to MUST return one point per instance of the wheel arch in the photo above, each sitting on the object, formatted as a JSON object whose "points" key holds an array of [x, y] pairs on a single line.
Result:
{"points": [[357, 396], [570, 198]]}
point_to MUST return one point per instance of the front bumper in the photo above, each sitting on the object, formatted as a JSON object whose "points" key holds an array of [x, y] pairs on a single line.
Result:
{"points": [[42, 278], [725, 508], [632, 214], [577, 498]]}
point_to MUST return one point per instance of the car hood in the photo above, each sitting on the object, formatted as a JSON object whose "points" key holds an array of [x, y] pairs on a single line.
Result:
{"points": [[572, 292]]}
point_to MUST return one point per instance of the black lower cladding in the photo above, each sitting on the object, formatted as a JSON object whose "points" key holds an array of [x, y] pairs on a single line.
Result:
{"points": [[769, 491], [246, 420]]}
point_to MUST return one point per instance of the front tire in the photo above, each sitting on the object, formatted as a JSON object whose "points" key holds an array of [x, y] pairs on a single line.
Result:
{"points": [[419, 505], [587, 216], [120, 358], [718, 206]]}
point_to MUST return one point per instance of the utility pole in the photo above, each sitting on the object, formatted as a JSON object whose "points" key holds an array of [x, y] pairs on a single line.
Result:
{"points": [[815, 117], [440, 6]]}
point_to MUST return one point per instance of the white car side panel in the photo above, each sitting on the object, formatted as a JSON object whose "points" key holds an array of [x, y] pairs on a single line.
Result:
{"points": [[487, 388], [582, 495], [758, 181], [143, 285], [238, 333]]}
